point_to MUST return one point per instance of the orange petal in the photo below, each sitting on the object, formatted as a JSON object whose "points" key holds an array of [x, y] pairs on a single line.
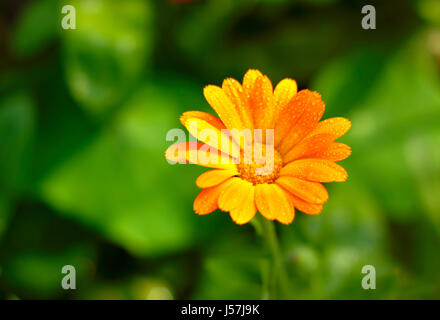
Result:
{"points": [[214, 177], [249, 80], [235, 93], [261, 102], [319, 170], [209, 129], [223, 106], [306, 207], [234, 194], [207, 200], [301, 116], [283, 93], [336, 127], [209, 118], [273, 203], [245, 210], [199, 153], [308, 147], [336, 151], [308, 191]]}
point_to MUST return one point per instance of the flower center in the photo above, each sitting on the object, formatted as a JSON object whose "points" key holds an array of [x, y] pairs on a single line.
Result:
{"points": [[261, 169]]}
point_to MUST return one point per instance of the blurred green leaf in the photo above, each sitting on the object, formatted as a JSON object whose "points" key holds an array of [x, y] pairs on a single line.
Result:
{"points": [[232, 269], [5, 212], [282, 39], [326, 253], [39, 273], [108, 50], [423, 156], [37, 26], [122, 186], [404, 93], [347, 81], [83, 131], [16, 131], [34, 249], [430, 10], [63, 128]]}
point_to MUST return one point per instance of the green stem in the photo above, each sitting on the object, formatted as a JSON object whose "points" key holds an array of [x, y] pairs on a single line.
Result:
{"points": [[278, 282]]}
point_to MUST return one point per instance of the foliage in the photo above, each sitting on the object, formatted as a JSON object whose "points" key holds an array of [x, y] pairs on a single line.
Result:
{"points": [[84, 115]]}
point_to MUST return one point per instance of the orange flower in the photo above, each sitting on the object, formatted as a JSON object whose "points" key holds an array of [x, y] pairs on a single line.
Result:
{"points": [[304, 151]]}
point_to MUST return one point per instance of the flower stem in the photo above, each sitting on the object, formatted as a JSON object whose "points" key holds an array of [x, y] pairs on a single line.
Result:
{"points": [[278, 280]]}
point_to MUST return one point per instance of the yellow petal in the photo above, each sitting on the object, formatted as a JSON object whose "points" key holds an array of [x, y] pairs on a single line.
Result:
{"points": [[336, 151], [261, 102], [225, 109], [209, 129], [283, 93], [273, 203], [245, 210], [207, 200], [197, 153], [235, 93], [304, 206], [234, 194], [207, 117], [214, 177], [336, 127], [308, 191], [249, 80], [319, 170]]}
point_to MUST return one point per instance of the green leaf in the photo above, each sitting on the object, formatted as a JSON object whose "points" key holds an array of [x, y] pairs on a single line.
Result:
{"points": [[325, 253], [387, 108], [346, 82], [231, 269], [423, 157], [38, 274], [34, 249], [16, 131], [429, 10], [108, 50], [5, 212], [121, 185], [37, 26]]}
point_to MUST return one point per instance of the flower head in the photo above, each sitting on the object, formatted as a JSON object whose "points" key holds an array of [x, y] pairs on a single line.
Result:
{"points": [[268, 149]]}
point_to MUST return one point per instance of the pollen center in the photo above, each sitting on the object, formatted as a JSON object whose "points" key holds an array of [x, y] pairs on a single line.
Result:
{"points": [[260, 169]]}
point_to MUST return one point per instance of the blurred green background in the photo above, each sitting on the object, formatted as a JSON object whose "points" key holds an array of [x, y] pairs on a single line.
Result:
{"points": [[83, 119]]}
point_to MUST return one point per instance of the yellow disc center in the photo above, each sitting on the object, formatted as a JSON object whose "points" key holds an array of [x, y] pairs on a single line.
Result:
{"points": [[261, 167]]}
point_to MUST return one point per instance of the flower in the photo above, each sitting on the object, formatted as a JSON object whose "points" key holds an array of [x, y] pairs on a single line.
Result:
{"points": [[303, 152]]}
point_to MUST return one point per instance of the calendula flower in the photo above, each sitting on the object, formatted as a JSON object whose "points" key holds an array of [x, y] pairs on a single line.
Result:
{"points": [[296, 151]]}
